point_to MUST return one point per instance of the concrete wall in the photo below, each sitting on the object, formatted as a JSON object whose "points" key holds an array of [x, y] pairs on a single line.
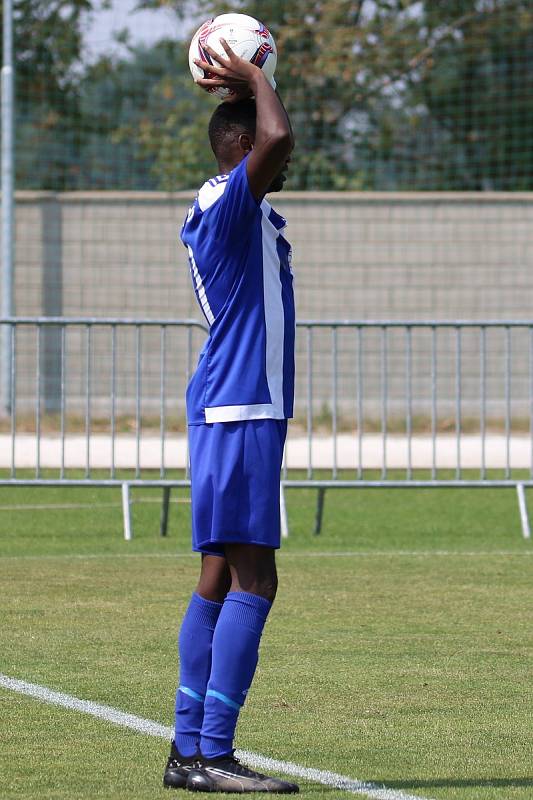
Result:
{"points": [[356, 255]]}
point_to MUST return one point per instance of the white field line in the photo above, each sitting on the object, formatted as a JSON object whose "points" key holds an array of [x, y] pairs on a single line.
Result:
{"points": [[283, 556], [98, 556], [406, 553], [117, 505], [151, 728]]}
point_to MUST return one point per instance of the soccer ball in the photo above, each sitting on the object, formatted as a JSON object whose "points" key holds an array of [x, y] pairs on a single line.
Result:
{"points": [[246, 36]]}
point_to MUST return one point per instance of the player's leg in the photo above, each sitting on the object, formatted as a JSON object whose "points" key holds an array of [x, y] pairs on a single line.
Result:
{"points": [[241, 622], [215, 578], [234, 661], [252, 569], [236, 506], [195, 641]]}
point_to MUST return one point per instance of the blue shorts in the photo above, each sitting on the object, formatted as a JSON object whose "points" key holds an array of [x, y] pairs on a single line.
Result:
{"points": [[235, 474]]}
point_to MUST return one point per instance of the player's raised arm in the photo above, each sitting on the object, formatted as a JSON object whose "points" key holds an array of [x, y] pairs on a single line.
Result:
{"points": [[274, 139]]}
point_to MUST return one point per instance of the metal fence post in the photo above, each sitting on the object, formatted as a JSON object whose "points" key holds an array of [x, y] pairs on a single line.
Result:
{"points": [[163, 523], [7, 205], [319, 510], [524, 519], [126, 512], [52, 294]]}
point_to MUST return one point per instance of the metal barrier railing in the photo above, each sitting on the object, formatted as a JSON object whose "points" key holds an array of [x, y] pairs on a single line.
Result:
{"points": [[391, 404], [460, 391], [77, 367]]}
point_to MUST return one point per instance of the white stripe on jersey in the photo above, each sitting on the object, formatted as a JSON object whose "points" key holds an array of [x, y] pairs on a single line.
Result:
{"points": [[238, 413], [275, 334], [210, 192], [274, 314], [200, 291]]}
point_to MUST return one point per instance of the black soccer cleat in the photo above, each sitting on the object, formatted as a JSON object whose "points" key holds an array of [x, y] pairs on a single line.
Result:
{"points": [[178, 769], [227, 774]]}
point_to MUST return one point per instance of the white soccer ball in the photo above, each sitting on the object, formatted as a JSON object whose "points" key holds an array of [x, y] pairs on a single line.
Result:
{"points": [[246, 36]]}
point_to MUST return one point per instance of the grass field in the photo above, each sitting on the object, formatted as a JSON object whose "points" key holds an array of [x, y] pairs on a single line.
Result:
{"points": [[399, 650]]}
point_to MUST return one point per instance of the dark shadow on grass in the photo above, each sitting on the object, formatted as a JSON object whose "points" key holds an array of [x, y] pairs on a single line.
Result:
{"points": [[456, 782]]}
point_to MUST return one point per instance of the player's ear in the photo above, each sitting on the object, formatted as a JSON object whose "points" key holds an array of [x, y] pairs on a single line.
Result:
{"points": [[246, 142]]}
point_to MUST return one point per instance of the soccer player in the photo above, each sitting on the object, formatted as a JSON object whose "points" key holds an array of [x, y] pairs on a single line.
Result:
{"points": [[238, 403]]}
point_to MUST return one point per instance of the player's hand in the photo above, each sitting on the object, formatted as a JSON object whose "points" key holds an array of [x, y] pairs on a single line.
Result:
{"points": [[232, 73]]}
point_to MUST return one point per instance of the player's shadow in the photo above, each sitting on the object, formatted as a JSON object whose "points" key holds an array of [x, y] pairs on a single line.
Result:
{"points": [[434, 783]]}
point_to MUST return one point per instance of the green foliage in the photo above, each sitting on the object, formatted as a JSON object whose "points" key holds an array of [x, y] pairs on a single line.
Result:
{"points": [[480, 93], [388, 94], [383, 95], [168, 124], [133, 109], [49, 127]]}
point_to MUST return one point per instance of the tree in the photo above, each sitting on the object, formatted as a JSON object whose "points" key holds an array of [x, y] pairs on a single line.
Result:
{"points": [[479, 96], [125, 104], [311, 36], [385, 94], [168, 119], [47, 52]]}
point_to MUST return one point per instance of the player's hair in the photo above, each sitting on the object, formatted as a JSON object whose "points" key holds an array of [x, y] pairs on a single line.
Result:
{"points": [[228, 121]]}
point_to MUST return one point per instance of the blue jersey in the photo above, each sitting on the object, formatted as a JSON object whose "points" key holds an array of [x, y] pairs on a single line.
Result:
{"points": [[240, 266]]}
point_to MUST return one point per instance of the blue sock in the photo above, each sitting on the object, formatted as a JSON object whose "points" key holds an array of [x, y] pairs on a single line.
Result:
{"points": [[196, 636], [235, 654]]}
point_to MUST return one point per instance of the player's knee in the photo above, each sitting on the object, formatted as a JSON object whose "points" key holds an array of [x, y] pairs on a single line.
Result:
{"points": [[215, 592], [215, 579], [253, 570], [265, 585], [269, 587]]}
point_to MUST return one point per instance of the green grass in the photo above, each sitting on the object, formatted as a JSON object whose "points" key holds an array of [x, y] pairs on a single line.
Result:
{"points": [[402, 657]]}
